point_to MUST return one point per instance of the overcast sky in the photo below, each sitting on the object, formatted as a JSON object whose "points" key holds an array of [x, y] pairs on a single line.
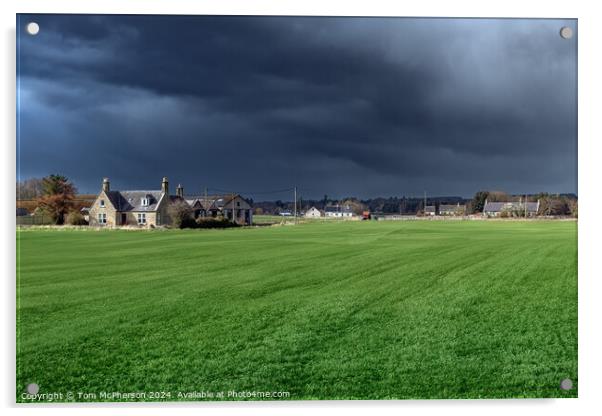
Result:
{"points": [[340, 106]]}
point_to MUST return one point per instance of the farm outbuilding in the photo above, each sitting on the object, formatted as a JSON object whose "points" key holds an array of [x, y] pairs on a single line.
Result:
{"points": [[231, 206], [338, 211], [313, 212]]}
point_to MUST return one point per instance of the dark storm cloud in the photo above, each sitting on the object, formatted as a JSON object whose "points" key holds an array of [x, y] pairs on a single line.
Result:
{"points": [[334, 105]]}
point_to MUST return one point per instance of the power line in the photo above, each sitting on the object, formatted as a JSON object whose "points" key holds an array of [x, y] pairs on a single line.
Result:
{"points": [[276, 191]]}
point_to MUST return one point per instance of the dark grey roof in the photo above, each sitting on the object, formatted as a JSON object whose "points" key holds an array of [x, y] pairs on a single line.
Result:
{"points": [[132, 200], [337, 208], [430, 208], [194, 203], [176, 198], [212, 201], [501, 206]]}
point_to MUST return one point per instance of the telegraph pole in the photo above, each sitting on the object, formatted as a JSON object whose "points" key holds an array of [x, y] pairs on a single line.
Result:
{"points": [[295, 194], [206, 202], [424, 202], [232, 202]]}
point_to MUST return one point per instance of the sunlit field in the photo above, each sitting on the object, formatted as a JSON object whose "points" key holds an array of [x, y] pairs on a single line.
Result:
{"points": [[321, 310]]}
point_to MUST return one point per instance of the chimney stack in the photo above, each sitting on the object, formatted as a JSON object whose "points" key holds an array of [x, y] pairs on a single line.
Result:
{"points": [[165, 186], [106, 187], [180, 191]]}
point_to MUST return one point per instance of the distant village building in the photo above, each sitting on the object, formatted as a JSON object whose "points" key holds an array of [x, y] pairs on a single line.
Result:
{"points": [[494, 209], [148, 208], [313, 212], [430, 210], [338, 211], [458, 209]]}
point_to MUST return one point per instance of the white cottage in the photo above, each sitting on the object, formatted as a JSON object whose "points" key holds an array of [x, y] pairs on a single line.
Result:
{"points": [[313, 212]]}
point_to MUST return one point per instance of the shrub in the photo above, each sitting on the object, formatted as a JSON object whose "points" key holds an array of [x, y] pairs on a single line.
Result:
{"points": [[215, 223], [574, 208], [75, 218], [188, 222]]}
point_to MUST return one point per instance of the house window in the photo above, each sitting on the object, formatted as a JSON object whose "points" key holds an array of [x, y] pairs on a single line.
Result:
{"points": [[102, 203], [145, 202], [102, 218], [237, 203], [141, 218], [158, 218]]}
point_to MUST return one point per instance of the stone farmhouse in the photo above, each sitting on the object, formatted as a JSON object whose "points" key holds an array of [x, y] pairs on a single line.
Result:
{"points": [[494, 209], [151, 208], [445, 209]]}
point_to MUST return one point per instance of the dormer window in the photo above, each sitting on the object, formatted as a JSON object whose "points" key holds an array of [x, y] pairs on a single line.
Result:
{"points": [[102, 203], [145, 202]]}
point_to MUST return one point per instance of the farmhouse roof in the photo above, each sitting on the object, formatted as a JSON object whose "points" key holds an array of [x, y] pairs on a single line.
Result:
{"points": [[132, 200], [176, 198], [510, 205], [430, 208], [212, 201], [337, 208]]}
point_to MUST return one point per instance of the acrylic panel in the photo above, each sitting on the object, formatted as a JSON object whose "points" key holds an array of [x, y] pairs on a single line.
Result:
{"points": [[295, 208]]}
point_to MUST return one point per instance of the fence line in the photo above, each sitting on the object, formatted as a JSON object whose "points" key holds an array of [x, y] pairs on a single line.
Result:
{"points": [[34, 220]]}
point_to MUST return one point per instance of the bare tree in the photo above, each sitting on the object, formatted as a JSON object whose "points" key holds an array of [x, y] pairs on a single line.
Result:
{"points": [[181, 214], [30, 188]]}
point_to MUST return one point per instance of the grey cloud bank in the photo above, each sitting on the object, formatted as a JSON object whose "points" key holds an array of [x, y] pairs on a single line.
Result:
{"points": [[339, 106]]}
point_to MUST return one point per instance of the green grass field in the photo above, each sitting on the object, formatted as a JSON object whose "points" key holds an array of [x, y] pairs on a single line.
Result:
{"points": [[271, 219], [340, 310]]}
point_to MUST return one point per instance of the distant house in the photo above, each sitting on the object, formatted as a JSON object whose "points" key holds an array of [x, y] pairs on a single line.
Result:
{"points": [[458, 209], [429, 210], [21, 212], [338, 211], [313, 212], [151, 207], [494, 209]]}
